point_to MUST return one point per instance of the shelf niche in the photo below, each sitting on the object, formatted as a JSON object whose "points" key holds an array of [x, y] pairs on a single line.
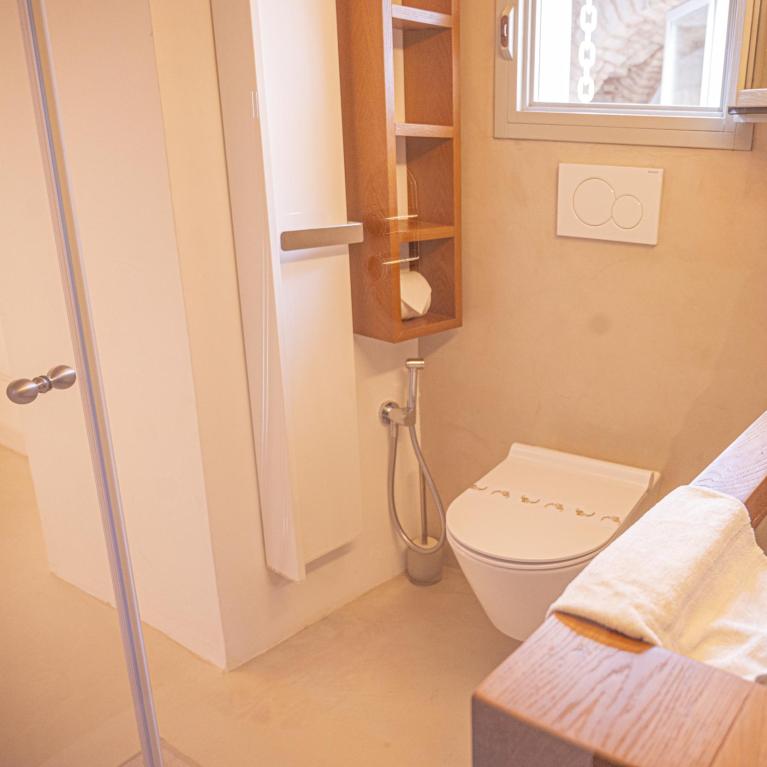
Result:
{"points": [[401, 139], [407, 17], [435, 6]]}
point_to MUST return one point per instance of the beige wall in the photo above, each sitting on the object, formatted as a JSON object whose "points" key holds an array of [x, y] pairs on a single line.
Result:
{"points": [[113, 145], [11, 434], [649, 356], [185, 55], [258, 608], [113, 142], [36, 336], [152, 202]]}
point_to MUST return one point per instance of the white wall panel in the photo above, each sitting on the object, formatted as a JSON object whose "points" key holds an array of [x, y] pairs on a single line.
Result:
{"points": [[300, 110]]}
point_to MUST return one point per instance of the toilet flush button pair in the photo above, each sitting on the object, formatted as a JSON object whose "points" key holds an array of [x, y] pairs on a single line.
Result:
{"points": [[606, 202], [595, 203]]}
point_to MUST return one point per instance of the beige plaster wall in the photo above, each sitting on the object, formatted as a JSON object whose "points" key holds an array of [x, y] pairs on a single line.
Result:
{"points": [[186, 70], [151, 195], [649, 356], [258, 608], [105, 83]]}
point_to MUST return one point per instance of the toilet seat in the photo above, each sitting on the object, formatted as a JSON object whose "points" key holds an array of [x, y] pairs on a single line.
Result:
{"points": [[528, 527], [542, 509], [507, 564]]}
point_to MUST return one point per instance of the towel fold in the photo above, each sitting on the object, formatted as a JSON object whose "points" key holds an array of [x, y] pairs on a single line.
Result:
{"points": [[688, 576]]}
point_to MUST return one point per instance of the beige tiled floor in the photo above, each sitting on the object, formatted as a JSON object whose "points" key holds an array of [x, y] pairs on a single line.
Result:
{"points": [[383, 681], [170, 758]]}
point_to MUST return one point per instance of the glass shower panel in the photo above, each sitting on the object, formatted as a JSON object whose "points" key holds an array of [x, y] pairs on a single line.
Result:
{"points": [[66, 695], [113, 130]]}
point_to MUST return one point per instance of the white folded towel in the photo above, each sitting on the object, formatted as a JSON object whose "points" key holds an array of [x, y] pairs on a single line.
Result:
{"points": [[688, 576]]}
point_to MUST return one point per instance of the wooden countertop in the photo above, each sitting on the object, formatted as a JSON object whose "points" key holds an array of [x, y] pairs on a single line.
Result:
{"points": [[576, 693]]}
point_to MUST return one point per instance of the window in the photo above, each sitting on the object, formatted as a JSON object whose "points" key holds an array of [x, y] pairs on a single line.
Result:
{"points": [[660, 72]]}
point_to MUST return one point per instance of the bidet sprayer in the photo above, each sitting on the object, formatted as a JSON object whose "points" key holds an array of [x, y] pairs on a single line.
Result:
{"points": [[414, 365], [424, 558]]}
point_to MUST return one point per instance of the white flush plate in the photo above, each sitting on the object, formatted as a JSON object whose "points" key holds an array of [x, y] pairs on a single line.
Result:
{"points": [[609, 202]]}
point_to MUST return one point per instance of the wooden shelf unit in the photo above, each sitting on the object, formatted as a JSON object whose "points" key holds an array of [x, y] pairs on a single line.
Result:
{"points": [[407, 17], [426, 129], [421, 231], [421, 130]]}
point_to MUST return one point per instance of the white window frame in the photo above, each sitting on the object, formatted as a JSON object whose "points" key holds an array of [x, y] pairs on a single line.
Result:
{"points": [[518, 116]]}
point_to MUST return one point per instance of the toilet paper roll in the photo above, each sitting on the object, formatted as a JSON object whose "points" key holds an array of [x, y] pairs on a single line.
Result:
{"points": [[415, 294]]}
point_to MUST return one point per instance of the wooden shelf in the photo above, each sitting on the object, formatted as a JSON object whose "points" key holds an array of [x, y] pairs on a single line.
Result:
{"points": [[415, 230], [405, 17], [425, 113], [431, 323], [421, 130]]}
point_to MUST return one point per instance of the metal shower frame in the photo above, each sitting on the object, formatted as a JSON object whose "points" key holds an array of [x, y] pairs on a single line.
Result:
{"points": [[42, 81]]}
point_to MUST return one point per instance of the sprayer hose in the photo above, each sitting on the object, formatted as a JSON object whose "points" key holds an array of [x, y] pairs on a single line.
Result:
{"points": [[409, 542]]}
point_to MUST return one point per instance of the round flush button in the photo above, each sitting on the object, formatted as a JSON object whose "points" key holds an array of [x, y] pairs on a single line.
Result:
{"points": [[593, 201], [627, 211]]}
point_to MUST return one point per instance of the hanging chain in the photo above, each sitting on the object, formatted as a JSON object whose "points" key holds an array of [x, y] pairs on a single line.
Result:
{"points": [[587, 52]]}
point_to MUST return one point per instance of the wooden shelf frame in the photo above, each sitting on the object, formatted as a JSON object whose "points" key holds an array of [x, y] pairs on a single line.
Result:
{"points": [[407, 17], [423, 130], [576, 693], [431, 134], [416, 230]]}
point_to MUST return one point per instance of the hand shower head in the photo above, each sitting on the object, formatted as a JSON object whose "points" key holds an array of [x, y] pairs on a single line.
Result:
{"points": [[414, 365]]}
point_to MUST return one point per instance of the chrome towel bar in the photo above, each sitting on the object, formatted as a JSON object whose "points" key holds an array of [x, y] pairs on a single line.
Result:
{"points": [[322, 236]]}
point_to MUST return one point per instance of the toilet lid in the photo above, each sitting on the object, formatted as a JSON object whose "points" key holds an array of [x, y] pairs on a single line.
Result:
{"points": [[540, 506]]}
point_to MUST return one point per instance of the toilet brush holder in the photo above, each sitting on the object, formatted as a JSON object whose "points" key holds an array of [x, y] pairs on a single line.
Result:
{"points": [[424, 568]]}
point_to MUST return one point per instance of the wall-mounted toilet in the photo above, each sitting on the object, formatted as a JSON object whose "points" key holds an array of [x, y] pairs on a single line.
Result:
{"points": [[527, 528]]}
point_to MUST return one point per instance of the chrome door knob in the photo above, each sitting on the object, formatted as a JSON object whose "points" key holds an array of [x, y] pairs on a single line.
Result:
{"points": [[22, 391]]}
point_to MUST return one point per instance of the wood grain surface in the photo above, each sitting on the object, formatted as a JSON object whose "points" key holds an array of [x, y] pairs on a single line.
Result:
{"points": [[741, 470], [576, 693], [431, 135], [405, 17]]}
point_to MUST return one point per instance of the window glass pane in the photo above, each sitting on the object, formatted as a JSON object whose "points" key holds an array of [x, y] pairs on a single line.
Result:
{"points": [[651, 52]]}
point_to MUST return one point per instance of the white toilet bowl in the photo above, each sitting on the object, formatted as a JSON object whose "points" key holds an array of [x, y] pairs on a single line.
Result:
{"points": [[528, 527]]}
